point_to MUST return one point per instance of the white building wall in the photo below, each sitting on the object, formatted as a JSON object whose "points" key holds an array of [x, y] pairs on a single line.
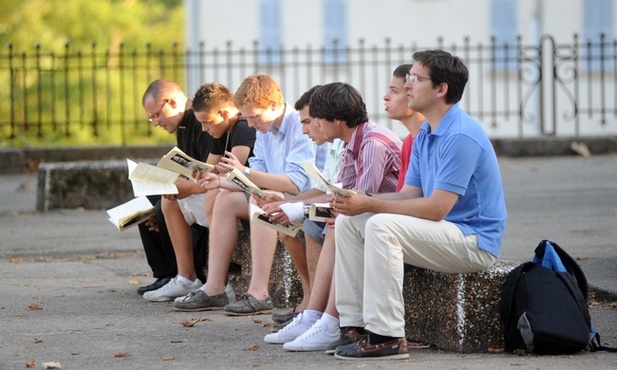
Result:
{"points": [[418, 23]]}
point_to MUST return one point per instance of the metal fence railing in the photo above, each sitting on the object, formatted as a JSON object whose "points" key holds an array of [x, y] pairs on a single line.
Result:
{"points": [[94, 96]]}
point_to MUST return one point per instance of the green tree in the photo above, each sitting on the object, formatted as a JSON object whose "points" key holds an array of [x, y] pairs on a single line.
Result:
{"points": [[79, 75]]}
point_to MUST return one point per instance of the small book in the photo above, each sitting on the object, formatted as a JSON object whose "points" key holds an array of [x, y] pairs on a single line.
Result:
{"points": [[320, 212], [245, 184], [316, 175], [178, 161], [131, 213], [259, 216], [151, 180]]}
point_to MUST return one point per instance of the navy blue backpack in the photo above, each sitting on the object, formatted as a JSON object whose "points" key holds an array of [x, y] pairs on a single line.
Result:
{"points": [[544, 305]]}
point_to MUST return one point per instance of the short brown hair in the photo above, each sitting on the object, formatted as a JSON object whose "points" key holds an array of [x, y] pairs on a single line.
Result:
{"points": [[259, 91], [212, 96]]}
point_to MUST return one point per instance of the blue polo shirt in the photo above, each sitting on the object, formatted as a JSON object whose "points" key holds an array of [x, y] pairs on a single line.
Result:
{"points": [[459, 157]]}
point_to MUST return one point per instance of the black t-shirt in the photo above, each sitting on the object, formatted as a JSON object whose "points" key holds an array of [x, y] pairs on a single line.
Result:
{"points": [[191, 139], [240, 134]]}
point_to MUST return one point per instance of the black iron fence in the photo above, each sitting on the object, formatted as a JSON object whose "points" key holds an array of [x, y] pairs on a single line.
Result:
{"points": [[92, 96]]}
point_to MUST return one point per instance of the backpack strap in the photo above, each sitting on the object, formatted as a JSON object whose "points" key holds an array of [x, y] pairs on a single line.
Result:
{"points": [[569, 263], [596, 345]]}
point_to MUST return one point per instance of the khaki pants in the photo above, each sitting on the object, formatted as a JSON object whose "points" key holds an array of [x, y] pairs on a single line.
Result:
{"points": [[370, 251]]}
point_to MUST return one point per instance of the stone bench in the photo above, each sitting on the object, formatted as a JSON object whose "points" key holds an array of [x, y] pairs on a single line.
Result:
{"points": [[104, 184], [85, 184], [455, 312]]}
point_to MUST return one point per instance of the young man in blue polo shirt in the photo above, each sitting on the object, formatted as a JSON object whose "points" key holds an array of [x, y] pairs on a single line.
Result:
{"points": [[449, 216]]}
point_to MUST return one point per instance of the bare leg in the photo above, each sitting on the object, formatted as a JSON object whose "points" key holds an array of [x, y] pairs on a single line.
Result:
{"points": [[229, 206], [313, 250], [323, 275], [263, 246], [297, 252], [180, 234]]}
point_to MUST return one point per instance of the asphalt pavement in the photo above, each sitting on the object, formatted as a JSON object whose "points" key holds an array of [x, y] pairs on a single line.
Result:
{"points": [[69, 280]]}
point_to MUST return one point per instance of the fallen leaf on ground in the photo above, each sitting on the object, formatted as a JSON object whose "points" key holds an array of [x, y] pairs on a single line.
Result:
{"points": [[122, 354], [30, 364], [256, 321], [33, 306], [266, 325], [135, 282], [169, 358], [495, 350], [15, 260], [51, 365], [192, 322], [37, 340], [254, 347]]}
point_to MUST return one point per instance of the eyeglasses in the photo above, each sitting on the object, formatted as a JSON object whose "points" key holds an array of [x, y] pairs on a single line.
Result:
{"points": [[158, 112], [414, 79]]}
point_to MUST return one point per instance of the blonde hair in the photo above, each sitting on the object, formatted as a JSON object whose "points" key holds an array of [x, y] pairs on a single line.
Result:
{"points": [[258, 90]]}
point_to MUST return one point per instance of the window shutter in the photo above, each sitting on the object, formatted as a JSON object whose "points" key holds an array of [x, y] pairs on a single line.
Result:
{"points": [[597, 19], [335, 31], [504, 27], [270, 32]]}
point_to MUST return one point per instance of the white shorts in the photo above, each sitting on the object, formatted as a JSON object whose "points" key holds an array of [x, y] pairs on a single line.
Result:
{"points": [[193, 209]]}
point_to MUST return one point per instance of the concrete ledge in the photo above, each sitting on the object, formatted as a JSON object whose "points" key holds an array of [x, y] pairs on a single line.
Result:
{"points": [[455, 312], [89, 185], [12, 160], [285, 286], [21, 158]]}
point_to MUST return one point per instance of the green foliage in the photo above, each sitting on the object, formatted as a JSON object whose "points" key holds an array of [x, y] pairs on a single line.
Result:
{"points": [[65, 66]]}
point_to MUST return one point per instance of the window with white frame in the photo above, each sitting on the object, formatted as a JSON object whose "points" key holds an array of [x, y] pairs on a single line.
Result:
{"points": [[270, 32], [335, 31], [597, 52], [504, 28]]}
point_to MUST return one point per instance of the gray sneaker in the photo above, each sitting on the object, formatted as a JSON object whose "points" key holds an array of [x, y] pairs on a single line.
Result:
{"points": [[249, 305], [197, 300]]}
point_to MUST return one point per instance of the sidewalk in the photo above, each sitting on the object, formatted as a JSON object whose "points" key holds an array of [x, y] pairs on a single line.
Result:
{"points": [[83, 274]]}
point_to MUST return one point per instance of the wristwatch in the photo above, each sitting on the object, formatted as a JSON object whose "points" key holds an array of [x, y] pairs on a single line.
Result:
{"points": [[247, 172]]}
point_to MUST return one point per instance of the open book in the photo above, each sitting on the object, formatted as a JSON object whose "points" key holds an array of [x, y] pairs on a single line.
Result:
{"points": [[151, 180], [259, 216], [320, 212], [316, 175], [178, 161], [131, 213], [245, 184]]}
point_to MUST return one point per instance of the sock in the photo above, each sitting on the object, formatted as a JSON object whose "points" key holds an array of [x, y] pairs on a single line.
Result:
{"points": [[378, 339], [311, 316], [184, 280], [330, 322]]}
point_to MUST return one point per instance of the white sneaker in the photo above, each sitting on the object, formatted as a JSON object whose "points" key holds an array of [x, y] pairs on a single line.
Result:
{"points": [[316, 338], [290, 332], [171, 290]]}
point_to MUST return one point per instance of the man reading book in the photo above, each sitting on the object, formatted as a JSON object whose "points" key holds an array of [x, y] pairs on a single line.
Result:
{"points": [[370, 162], [214, 109], [167, 107], [280, 148]]}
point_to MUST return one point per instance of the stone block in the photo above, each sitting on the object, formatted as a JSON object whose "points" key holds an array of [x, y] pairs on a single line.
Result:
{"points": [[11, 160], [285, 286], [455, 312], [85, 184]]}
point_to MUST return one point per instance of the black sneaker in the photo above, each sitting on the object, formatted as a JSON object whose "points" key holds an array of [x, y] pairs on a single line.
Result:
{"points": [[348, 335], [395, 349], [154, 286]]}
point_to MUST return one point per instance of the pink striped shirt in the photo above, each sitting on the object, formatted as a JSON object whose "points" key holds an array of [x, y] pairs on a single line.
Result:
{"points": [[371, 160]]}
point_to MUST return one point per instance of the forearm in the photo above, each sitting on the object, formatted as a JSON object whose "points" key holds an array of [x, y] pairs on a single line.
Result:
{"points": [[272, 181]]}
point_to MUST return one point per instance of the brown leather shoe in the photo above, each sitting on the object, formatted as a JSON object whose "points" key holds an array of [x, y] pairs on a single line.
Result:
{"points": [[348, 336], [397, 349]]}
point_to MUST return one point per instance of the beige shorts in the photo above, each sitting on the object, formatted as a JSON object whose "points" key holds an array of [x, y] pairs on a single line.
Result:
{"points": [[193, 209]]}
